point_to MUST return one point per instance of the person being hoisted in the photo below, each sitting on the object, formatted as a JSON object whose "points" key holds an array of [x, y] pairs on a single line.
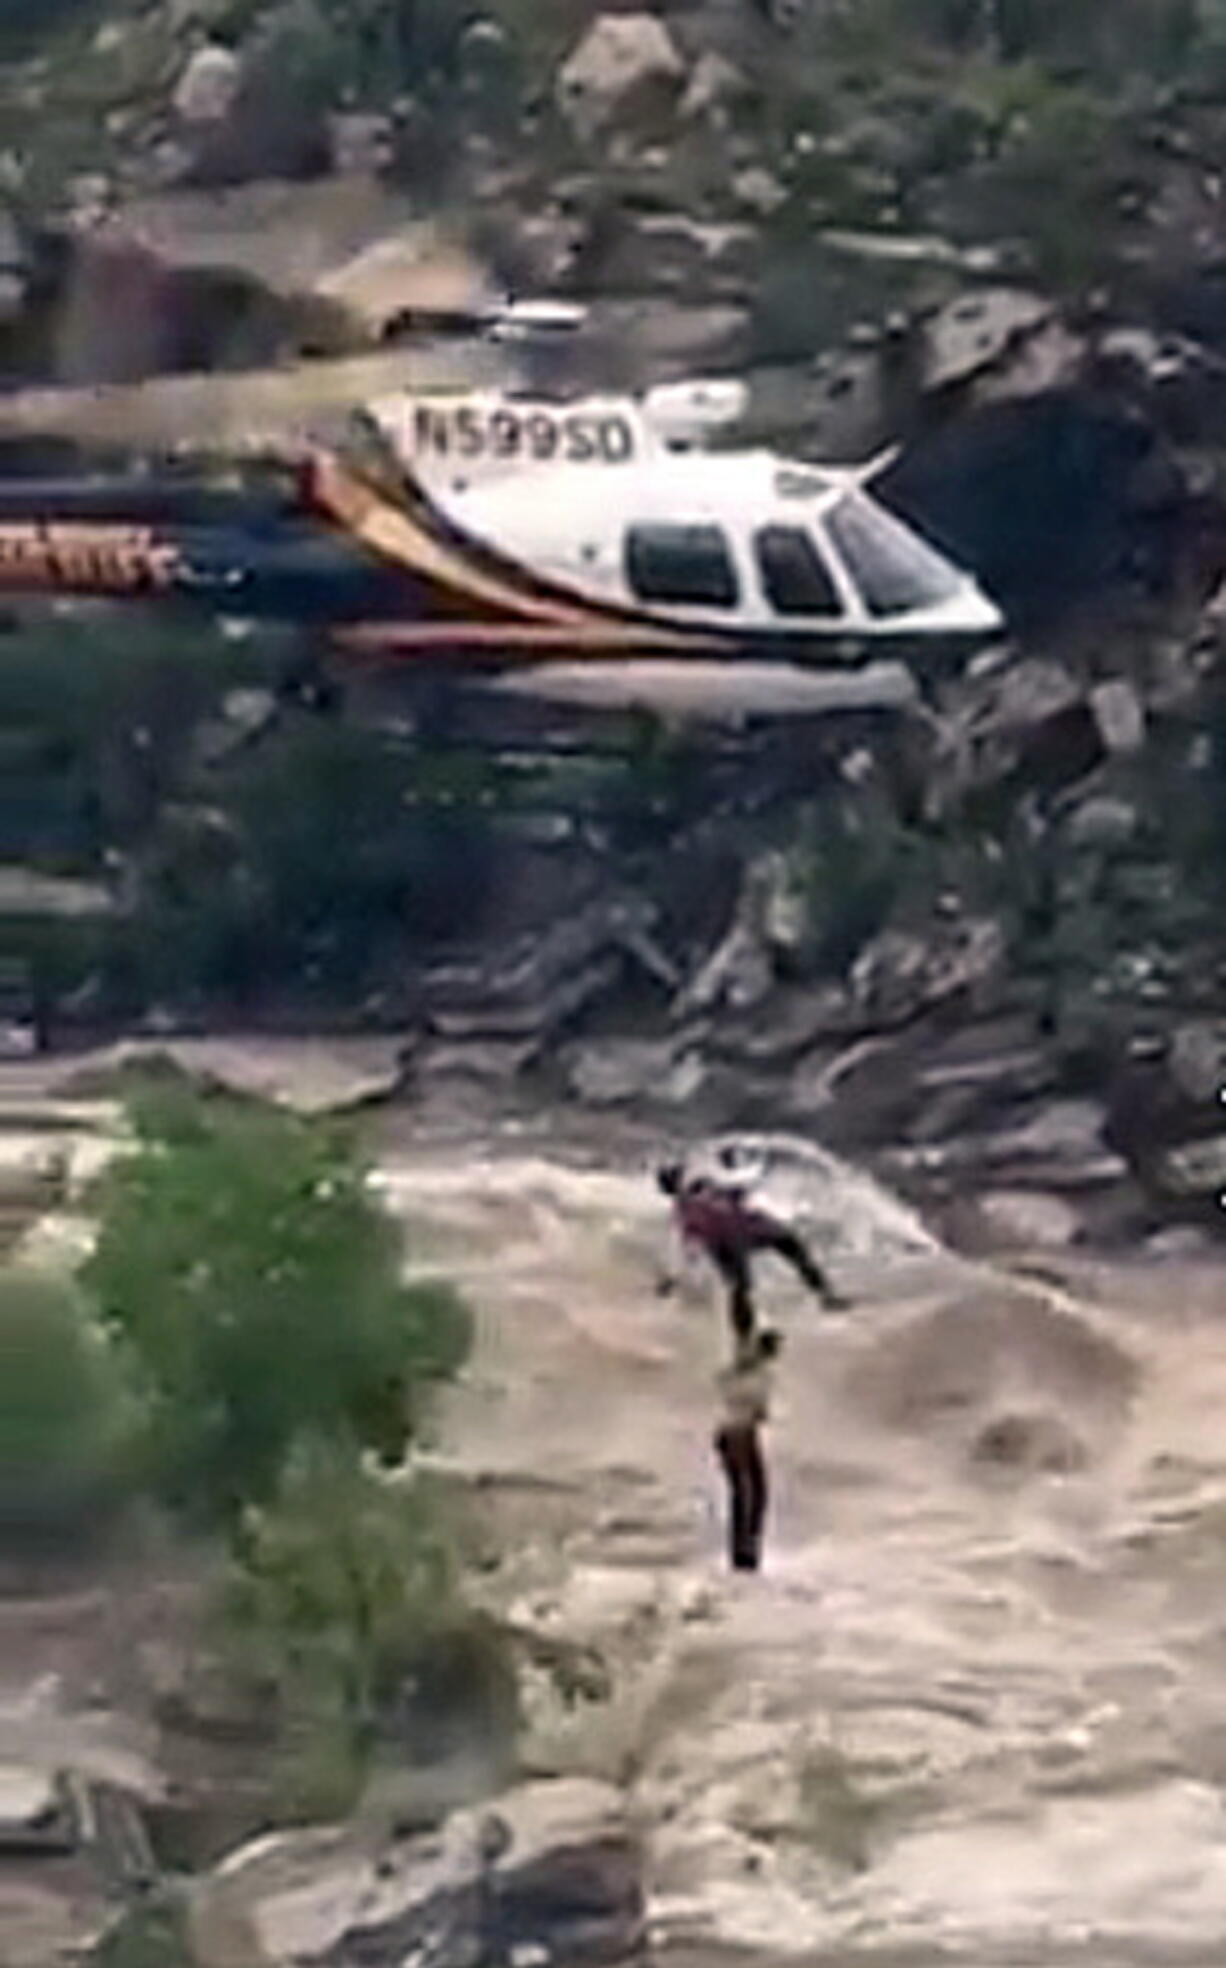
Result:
{"points": [[716, 1217], [744, 1399]]}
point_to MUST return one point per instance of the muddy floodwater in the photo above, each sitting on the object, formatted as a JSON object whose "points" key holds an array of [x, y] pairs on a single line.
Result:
{"points": [[973, 1711]]}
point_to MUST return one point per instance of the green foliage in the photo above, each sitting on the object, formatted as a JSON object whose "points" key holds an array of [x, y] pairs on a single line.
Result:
{"points": [[308, 861], [339, 855], [243, 1267], [67, 1421], [343, 1591], [852, 861], [312, 872], [153, 1932], [96, 726]]}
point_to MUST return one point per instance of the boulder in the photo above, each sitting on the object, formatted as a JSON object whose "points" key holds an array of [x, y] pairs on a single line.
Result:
{"points": [[1196, 1061], [740, 972], [361, 142], [548, 1873], [1028, 725], [1120, 715], [206, 90], [1101, 825], [1166, 1109], [757, 190], [977, 332], [714, 84], [1197, 1169], [626, 71]]}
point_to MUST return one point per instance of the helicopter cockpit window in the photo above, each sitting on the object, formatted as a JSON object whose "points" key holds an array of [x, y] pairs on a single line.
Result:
{"points": [[794, 576], [894, 570], [681, 564]]}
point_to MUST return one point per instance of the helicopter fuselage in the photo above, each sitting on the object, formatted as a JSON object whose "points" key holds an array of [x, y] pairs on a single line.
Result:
{"points": [[515, 531]]}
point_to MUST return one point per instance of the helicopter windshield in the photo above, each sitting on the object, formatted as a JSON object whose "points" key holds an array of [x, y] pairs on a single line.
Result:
{"points": [[894, 570]]}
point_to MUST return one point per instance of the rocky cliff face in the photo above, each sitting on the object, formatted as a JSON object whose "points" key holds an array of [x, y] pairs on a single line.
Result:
{"points": [[980, 940]]}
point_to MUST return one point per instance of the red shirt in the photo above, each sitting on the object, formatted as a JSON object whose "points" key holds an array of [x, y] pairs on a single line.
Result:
{"points": [[714, 1217]]}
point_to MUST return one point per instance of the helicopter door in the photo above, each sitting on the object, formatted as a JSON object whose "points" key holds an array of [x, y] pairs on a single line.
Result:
{"points": [[794, 576]]}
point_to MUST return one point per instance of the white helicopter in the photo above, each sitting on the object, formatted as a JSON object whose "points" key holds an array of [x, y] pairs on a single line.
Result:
{"points": [[611, 519], [596, 550]]}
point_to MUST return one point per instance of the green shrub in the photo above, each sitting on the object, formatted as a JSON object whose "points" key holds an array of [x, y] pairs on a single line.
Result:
{"points": [[343, 1604], [66, 1419], [245, 1270]]}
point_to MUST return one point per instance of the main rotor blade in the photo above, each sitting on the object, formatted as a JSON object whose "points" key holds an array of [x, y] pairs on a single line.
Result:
{"points": [[246, 412]]}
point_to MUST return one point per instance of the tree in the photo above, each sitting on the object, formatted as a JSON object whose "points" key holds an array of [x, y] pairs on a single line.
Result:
{"points": [[245, 1270]]}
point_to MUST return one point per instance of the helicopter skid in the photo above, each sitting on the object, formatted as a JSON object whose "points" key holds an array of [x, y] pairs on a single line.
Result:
{"points": [[711, 691]]}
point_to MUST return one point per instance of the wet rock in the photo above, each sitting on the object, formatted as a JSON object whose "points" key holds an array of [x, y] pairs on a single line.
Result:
{"points": [[626, 71], [898, 974], [549, 1872]]}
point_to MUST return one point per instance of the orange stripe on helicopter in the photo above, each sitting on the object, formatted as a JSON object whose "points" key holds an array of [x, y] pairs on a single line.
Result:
{"points": [[560, 619], [394, 535]]}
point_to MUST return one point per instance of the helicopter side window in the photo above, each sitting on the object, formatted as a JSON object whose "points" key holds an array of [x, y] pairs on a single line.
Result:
{"points": [[894, 570], [681, 564], [794, 576]]}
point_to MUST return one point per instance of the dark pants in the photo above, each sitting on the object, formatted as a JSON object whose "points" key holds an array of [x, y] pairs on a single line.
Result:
{"points": [[740, 1456], [731, 1260]]}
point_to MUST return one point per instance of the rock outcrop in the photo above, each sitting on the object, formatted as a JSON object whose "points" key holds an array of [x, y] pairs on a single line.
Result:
{"points": [[550, 1872]]}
